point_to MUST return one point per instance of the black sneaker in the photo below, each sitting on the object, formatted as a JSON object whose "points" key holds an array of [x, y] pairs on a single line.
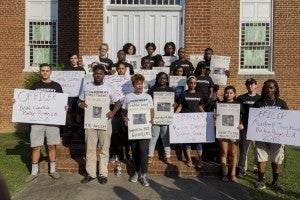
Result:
{"points": [[102, 180], [87, 179], [260, 185], [276, 186]]}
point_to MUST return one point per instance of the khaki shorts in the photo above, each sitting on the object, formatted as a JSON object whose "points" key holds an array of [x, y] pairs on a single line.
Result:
{"points": [[39, 132], [264, 150]]}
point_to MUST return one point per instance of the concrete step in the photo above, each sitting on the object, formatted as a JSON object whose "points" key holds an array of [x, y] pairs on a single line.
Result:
{"points": [[158, 167]]}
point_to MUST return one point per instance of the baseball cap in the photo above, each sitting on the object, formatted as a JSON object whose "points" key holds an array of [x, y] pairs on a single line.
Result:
{"points": [[250, 81]]}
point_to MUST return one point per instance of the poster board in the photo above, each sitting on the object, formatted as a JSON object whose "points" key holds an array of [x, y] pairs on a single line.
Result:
{"points": [[39, 107], [139, 126], [163, 107], [168, 60], [178, 83], [228, 120], [70, 81], [87, 61], [97, 108], [135, 61], [196, 58], [218, 66], [192, 128], [274, 126]]}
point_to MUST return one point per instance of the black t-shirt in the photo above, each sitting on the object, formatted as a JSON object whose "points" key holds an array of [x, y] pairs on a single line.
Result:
{"points": [[247, 101], [271, 104], [155, 88], [154, 59], [187, 66], [204, 84], [127, 65], [47, 87], [190, 101], [108, 63]]}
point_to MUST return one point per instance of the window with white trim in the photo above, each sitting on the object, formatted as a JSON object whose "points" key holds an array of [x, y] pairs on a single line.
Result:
{"points": [[255, 37], [41, 34], [146, 2]]}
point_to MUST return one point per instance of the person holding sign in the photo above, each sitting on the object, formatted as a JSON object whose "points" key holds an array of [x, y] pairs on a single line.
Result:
{"points": [[139, 146], [229, 146], [182, 61], [40, 131], [122, 60], [269, 100], [99, 137], [154, 58], [191, 101], [161, 85], [74, 115], [247, 100]]}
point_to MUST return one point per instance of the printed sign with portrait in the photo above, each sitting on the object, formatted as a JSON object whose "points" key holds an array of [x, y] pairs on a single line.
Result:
{"points": [[163, 107]]}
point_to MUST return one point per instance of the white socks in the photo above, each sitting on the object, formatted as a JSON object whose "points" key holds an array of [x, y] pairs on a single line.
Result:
{"points": [[52, 167], [34, 169]]}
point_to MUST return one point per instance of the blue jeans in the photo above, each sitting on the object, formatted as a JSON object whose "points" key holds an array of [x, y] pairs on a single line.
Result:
{"points": [[163, 132], [198, 147]]}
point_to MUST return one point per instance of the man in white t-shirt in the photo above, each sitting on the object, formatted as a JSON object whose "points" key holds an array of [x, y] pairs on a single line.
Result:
{"points": [[95, 135]]}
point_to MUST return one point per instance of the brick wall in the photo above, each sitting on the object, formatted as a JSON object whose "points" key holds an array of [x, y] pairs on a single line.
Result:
{"points": [[12, 20], [216, 24], [208, 24]]}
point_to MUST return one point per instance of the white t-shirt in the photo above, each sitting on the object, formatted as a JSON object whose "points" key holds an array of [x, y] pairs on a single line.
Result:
{"points": [[131, 97], [90, 86]]}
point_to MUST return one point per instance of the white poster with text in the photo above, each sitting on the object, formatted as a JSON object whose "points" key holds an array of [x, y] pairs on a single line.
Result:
{"points": [[139, 126], [218, 66], [228, 120], [39, 107], [274, 126], [163, 107], [192, 128], [87, 61], [97, 108]]}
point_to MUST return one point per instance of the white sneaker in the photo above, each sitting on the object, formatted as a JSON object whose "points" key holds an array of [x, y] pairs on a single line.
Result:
{"points": [[135, 177], [145, 181]]}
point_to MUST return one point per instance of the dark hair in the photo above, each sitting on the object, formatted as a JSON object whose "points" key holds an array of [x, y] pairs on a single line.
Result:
{"points": [[201, 65], [118, 64], [230, 87], [72, 54], [171, 44], [45, 65], [208, 49], [145, 58], [177, 67], [121, 51], [264, 89], [127, 46], [97, 67], [150, 44], [158, 76]]}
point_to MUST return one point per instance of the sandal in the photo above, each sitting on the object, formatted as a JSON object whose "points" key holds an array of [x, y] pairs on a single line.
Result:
{"points": [[189, 163], [150, 160], [199, 165], [234, 179], [224, 179]]}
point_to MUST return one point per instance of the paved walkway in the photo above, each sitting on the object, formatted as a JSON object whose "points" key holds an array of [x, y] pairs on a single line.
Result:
{"points": [[161, 187]]}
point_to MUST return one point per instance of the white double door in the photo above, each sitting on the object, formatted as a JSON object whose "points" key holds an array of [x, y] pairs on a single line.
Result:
{"points": [[141, 27]]}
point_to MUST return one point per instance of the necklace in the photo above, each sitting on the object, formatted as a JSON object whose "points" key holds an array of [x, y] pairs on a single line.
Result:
{"points": [[270, 105]]}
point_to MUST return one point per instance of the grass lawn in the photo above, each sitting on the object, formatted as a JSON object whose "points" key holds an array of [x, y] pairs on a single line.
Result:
{"points": [[15, 160], [15, 165], [289, 177]]}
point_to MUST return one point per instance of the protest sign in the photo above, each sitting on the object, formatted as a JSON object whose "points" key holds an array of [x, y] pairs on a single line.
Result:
{"points": [[178, 83], [139, 126], [135, 61], [39, 107], [163, 107], [196, 58], [228, 120], [192, 128], [168, 60], [218, 66], [97, 108], [87, 61], [274, 126], [70, 81]]}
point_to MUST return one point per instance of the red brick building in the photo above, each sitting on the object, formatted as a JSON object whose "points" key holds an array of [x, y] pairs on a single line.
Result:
{"points": [[261, 37]]}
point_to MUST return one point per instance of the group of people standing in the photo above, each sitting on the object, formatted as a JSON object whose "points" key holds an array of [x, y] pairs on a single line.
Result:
{"points": [[200, 96]]}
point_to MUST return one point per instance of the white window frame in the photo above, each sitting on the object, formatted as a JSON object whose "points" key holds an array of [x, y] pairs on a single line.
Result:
{"points": [[271, 33], [48, 12]]}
